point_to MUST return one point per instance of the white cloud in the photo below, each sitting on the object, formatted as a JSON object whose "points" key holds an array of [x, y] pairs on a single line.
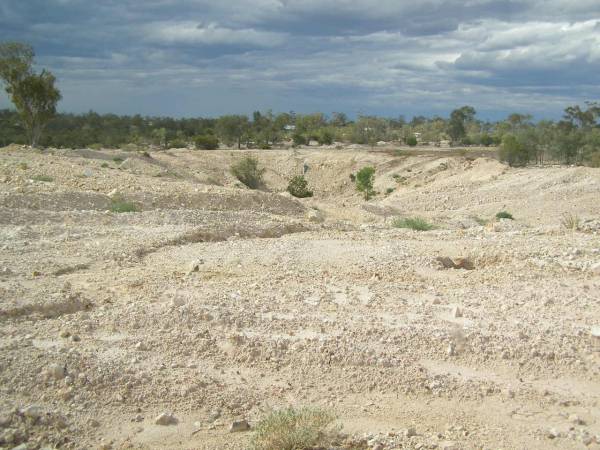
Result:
{"points": [[209, 34]]}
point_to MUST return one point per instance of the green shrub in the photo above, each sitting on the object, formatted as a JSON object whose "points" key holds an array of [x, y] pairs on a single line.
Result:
{"points": [[414, 223], [130, 147], [104, 165], [325, 137], [299, 139], [504, 215], [23, 166], [513, 152], [389, 190], [44, 178], [411, 141], [178, 143], [298, 187], [117, 160], [96, 146], [119, 205], [206, 142], [295, 429], [246, 170], [364, 181]]}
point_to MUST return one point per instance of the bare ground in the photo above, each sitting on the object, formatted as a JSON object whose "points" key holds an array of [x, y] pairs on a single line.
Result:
{"points": [[216, 303]]}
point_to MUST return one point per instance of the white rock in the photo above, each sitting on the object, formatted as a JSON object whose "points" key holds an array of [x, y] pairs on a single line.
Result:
{"points": [[166, 419], [238, 426], [56, 371], [33, 411]]}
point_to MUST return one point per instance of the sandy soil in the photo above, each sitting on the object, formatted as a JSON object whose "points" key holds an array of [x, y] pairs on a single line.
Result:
{"points": [[218, 303]]}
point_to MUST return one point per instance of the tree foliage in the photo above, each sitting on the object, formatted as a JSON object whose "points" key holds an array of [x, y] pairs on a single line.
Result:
{"points": [[34, 95], [364, 181]]}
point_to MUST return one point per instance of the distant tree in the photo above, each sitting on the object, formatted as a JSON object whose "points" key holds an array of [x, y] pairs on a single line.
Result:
{"points": [[364, 181], [206, 142], [231, 129], [513, 152], [458, 118], [159, 136], [339, 119], [34, 95], [583, 118]]}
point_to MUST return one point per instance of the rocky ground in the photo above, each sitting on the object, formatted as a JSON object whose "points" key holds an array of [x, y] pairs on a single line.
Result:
{"points": [[211, 303]]}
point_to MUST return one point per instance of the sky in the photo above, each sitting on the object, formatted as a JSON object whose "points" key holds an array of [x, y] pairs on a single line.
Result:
{"points": [[386, 57]]}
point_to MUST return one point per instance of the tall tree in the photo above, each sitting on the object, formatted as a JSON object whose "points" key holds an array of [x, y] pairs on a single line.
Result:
{"points": [[458, 118], [34, 95]]}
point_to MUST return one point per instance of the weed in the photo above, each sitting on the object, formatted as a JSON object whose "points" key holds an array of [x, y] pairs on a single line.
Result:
{"points": [[119, 205], [481, 221], [118, 160], [504, 215], [570, 222], [246, 170], [104, 165], [294, 429], [23, 166], [388, 191], [414, 223]]}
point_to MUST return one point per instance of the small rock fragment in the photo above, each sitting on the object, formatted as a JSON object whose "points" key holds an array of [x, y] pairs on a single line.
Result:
{"points": [[239, 426], [166, 419]]}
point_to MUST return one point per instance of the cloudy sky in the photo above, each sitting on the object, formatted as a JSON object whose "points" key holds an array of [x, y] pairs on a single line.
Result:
{"points": [[387, 57]]}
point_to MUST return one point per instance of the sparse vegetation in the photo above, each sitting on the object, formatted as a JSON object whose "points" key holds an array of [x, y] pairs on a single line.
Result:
{"points": [[295, 429], [504, 215], [104, 165], [570, 222], [388, 191], [120, 205], [298, 187], [411, 141], [247, 171], [414, 223], [481, 221], [23, 166], [118, 160], [44, 178], [364, 181]]}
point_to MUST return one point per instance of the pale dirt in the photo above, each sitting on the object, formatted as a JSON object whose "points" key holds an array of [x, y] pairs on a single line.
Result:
{"points": [[350, 314]]}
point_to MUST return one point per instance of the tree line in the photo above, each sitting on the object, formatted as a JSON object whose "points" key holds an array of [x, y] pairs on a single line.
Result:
{"points": [[575, 139]]}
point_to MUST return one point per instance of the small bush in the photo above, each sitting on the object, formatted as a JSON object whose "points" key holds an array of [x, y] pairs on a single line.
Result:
{"points": [[504, 215], [399, 178], [325, 137], [389, 190], [411, 141], [246, 170], [129, 147], [364, 181], [299, 139], [23, 166], [96, 146], [104, 165], [481, 221], [352, 177], [119, 205], [298, 187], [294, 429], [570, 222], [117, 160], [44, 178], [206, 142], [414, 223], [178, 143]]}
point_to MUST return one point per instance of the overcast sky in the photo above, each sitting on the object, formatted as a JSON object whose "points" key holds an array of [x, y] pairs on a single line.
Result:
{"points": [[387, 57]]}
